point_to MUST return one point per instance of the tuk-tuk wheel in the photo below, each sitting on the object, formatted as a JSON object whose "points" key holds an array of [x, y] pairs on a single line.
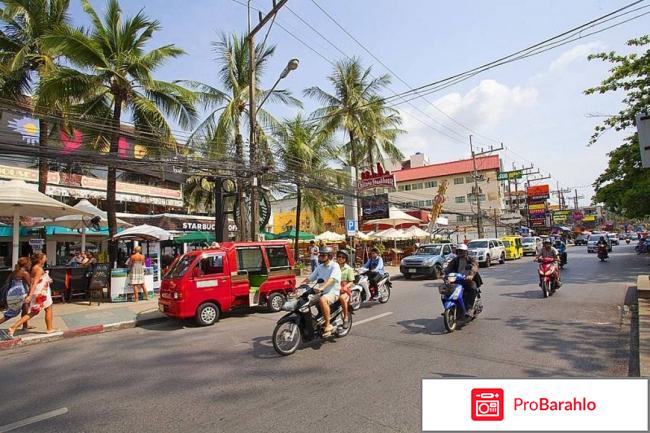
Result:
{"points": [[274, 302], [207, 314]]}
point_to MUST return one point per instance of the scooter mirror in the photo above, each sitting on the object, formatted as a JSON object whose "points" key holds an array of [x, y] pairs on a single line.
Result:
{"points": [[320, 281]]}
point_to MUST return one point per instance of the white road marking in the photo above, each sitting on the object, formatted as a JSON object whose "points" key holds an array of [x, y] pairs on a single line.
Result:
{"points": [[370, 319], [33, 419]]}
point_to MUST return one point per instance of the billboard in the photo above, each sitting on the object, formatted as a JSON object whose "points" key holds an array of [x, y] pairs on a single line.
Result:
{"points": [[538, 192], [375, 207]]}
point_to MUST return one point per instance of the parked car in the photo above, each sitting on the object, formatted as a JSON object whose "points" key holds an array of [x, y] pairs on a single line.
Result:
{"points": [[428, 260], [513, 247], [582, 239], [205, 283], [487, 250], [531, 244], [593, 240]]}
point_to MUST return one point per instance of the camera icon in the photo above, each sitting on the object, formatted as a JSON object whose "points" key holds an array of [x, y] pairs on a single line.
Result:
{"points": [[487, 404]]}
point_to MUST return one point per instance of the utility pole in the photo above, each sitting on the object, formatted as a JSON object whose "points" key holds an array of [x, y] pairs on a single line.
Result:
{"points": [[496, 229], [479, 216], [252, 110], [575, 199]]}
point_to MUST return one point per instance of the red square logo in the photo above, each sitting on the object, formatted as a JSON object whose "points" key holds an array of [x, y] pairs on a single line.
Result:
{"points": [[487, 404]]}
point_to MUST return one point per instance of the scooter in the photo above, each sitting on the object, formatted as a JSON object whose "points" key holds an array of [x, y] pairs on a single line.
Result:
{"points": [[547, 276], [627, 241], [451, 295], [602, 253], [563, 256], [362, 291], [305, 322]]}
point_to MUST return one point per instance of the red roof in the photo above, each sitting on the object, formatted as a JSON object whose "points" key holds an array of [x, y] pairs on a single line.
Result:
{"points": [[448, 168]]}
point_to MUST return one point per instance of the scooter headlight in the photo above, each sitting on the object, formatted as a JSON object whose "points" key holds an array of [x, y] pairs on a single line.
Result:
{"points": [[451, 278]]}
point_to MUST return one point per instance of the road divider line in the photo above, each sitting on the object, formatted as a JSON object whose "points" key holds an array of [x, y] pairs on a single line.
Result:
{"points": [[33, 420], [370, 319]]}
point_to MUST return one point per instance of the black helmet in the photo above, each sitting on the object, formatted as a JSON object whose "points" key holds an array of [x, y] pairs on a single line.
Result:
{"points": [[326, 250], [344, 254], [547, 241]]}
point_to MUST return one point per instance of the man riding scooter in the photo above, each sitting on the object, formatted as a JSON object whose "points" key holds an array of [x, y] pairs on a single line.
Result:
{"points": [[561, 249], [375, 266], [468, 266], [548, 251], [329, 272]]}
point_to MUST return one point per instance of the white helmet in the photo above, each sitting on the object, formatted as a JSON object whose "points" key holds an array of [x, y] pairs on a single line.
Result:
{"points": [[461, 247]]}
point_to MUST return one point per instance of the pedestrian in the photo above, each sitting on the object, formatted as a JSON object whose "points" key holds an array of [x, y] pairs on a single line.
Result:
{"points": [[39, 297], [313, 255], [19, 282], [136, 273]]}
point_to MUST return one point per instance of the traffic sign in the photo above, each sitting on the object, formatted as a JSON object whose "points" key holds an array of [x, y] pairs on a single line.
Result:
{"points": [[351, 226]]}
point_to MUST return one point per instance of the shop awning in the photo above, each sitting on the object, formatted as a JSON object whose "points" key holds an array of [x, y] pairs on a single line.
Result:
{"points": [[7, 231], [268, 236], [58, 230], [195, 238]]}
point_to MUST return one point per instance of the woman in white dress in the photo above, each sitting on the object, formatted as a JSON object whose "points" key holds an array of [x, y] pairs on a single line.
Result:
{"points": [[39, 296]]}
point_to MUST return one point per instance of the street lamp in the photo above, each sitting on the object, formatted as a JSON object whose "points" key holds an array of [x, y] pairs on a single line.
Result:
{"points": [[291, 66]]}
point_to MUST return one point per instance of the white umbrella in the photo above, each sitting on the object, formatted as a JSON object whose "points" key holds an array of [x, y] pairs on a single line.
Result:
{"points": [[80, 222], [395, 218], [416, 232], [19, 199], [391, 234], [144, 232], [363, 236], [330, 237]]}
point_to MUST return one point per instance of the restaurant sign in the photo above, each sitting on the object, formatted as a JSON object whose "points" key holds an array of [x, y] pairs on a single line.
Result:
{"points": [[379, 179]]}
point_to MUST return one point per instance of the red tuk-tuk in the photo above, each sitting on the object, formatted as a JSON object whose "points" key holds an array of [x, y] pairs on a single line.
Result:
{"points": [[204, 283]]}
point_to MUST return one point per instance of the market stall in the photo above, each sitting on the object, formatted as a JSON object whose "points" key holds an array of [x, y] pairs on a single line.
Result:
{"points": [[151, 237]]}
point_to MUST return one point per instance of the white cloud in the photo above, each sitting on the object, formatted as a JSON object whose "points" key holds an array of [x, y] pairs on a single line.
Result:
{"points": [[577, 53]]}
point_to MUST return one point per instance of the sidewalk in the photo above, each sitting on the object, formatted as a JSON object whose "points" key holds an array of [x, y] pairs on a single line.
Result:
{"points": [[75, 319], [643, 290]]}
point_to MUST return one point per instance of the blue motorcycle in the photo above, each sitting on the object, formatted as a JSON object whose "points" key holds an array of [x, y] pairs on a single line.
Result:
{"points": [[451, 294]]}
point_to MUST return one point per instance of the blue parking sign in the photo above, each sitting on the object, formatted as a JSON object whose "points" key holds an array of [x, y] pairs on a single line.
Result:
{"points": [[351, 227]]}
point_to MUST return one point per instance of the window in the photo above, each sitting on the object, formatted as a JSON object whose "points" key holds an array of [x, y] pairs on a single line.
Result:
{"points": [[460, 218], [458, 180], [431, 184], [446, 250], [278, 257], [407, 187], [416, 186], [211, 265], [180, 268], [471, 197], [469, 179], [250, 259], [401, 187], [421, 203], [429, 203], [459, 199]]}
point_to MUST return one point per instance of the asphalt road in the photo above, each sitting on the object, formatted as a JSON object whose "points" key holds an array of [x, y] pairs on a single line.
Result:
{"points": [[175, 377]]}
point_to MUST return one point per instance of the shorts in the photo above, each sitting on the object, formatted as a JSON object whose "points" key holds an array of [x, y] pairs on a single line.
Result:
{"points": [[10, 314], [331, 297]]}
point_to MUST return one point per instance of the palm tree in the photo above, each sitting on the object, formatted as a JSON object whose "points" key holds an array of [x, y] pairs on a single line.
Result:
{"points": [[381, 132], [304, 151], [350, 107], [114, 76], [220, 133], [27, 59]]}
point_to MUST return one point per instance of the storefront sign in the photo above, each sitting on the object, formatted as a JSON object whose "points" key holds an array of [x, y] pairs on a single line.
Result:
{"points": [[37, 244], [379, 179], [589, 218], [561, 216], [509, 175], [375, 207], [538, 192], [537, 206]]}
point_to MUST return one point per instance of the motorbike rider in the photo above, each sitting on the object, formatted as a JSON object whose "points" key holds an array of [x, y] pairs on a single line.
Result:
{"points": [[548, 251], [375, 266], [468, 266], [602, 243], [329, 272], [560, 246], [347, 280]]}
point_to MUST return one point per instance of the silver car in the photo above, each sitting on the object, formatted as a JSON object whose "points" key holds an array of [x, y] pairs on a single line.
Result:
{"points": [[531, 244], [593, 240]]}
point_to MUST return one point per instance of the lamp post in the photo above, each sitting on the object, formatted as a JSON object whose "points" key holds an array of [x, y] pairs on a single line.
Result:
{"points": [[292, 65]]}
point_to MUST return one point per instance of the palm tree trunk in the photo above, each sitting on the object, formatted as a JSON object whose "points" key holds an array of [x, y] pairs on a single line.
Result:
{"points": [[111, 179], [239, 152], [296, 241], [42, 158], [355, 164]]}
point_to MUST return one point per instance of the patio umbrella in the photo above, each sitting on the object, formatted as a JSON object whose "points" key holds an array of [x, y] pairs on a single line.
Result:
{"points": [[363, 236], [144, 232], [81, 222], [329, 236], [19, 199], [195, 237], [291, 234], [416, 232], [395, 218]]}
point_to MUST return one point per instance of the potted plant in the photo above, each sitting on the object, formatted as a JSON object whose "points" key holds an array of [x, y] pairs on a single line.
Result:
{"points": [[297, 269]]}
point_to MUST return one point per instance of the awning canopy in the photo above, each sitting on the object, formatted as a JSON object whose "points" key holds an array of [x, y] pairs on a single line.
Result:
{"points": [[195, 238], [291, 234]]}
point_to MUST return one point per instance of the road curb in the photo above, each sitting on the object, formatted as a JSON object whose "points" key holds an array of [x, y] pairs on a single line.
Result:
{"points": [[77, 332]]}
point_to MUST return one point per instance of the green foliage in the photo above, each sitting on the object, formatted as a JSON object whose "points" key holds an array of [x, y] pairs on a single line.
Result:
{"points": [[624, 187]]}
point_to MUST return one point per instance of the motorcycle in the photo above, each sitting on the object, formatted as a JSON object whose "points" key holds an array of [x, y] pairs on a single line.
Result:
{"points": [[602, 252], [362, 291], [547, 276], [451, 293], [305, 322], [627, 241], [563, 256]]}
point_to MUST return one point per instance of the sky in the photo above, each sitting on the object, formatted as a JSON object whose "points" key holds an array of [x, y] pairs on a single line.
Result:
{"points": [[535, 107]]}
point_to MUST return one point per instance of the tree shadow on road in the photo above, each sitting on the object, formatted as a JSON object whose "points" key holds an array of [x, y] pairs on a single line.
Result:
{"points": [[529, 294], [423, 326]]}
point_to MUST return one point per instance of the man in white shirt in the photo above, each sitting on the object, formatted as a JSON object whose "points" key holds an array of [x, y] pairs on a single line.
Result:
{"points": [[329, 272]]}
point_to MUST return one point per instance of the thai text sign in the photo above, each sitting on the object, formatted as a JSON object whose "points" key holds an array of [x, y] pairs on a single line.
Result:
{"points": [[538, 192], [509, 175]]}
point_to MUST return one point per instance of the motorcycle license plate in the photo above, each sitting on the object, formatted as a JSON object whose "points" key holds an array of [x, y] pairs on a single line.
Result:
{"points": [[412, 271]]}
